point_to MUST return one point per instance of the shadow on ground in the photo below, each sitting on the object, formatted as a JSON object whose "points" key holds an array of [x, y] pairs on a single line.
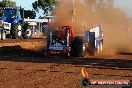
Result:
{"points": [[17, 54], [125, 53]]}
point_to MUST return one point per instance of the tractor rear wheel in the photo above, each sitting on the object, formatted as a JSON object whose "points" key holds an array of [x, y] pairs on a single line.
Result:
{"points": [[27, 33], [78, 47], [16, 31]]}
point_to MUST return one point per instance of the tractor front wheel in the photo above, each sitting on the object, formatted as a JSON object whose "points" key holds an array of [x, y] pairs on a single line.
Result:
{"points": [[3, 35], [78, 47]]}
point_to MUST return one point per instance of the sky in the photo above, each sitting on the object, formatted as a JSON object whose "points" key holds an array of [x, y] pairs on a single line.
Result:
{"points": [[125, 5], [27, 4]]}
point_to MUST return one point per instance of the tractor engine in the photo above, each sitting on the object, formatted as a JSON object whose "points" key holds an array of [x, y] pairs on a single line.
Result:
{"points": [[59, 41]]}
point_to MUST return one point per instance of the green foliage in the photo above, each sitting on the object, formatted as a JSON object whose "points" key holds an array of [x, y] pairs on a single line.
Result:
{"points": [[30, 14], [45, 5], [5, 3]]}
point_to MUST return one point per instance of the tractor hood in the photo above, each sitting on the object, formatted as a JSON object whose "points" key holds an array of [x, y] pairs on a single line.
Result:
{"points": [[11, 20]]}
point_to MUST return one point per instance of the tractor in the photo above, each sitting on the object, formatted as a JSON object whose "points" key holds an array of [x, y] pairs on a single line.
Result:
{"points": [[5, 27], [59, 41], [63, 42], [15, 17]]}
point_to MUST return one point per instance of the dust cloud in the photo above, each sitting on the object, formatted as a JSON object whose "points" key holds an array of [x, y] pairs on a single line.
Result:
{"points": [[89, 14]]}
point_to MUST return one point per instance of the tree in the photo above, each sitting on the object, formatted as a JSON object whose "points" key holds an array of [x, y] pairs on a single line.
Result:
{"points": [[45, 5], [30, 14], [5, 3]]}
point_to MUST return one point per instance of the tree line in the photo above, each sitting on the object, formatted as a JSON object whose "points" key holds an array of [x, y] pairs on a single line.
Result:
{"points": [[43, 5], [46, 6]]}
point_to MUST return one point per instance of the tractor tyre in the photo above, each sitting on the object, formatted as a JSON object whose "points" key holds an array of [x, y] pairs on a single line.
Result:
{"points": [[3, 35], [27, 33], [16, 31], [78, 47]]}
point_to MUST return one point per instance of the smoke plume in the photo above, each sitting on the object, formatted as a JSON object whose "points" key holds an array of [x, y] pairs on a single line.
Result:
{"points": [[89, 14]]}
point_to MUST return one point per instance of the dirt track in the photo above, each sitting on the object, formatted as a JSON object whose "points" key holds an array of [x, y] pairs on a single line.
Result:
{"points": [[23, 66]]}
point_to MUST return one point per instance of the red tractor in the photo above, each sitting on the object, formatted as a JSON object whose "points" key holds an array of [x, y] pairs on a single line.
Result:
{"points": [[62, 42]]}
